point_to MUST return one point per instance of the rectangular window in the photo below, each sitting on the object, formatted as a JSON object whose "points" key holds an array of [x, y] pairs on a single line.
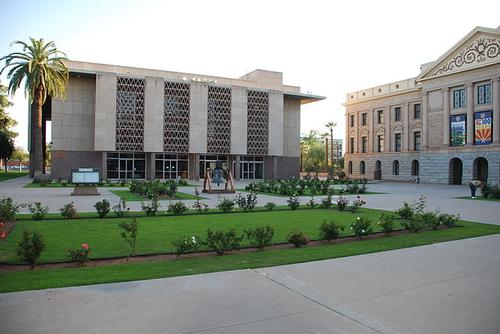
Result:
{"points": [[397, 114], [484, 94], [351, 148], [397, 142], [459, 98], [364, 118], [380, 116], [380, 143], [417, 140], [417, 111], [352, 121], [364, 144]]}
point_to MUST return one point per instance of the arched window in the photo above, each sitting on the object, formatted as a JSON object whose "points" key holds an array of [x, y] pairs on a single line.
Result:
{"points": [[415, 168], [362, 167], [395, 167], [350, 167]]}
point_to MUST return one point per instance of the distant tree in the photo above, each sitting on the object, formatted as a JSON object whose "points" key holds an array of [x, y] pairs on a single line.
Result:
{"points": [[20, 155], [315, 159], [6, 122], [330, 126], [41, 67], [6, 148]]}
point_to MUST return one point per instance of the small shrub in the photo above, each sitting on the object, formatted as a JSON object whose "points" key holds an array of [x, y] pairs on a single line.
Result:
{"points": [[64, 182], [186, 244], [326, 202], [30, 247], [342, 203], [102, 208], [177, 208], [413, 224], [293, 202], [430, 219], [449, 220], [182, 183], [329, 230], [311, 203], [120, 208], [356, 204], [260, 237], [129, 234], [361, 227], [222, 242], [8, 208], [405, 212], [246, 203], [80, 255], [225, 204], [68, 211], [198, 205], [151, 209], [297, 238], [269, 206], [44, 182], [38, 211], [386, 223]]}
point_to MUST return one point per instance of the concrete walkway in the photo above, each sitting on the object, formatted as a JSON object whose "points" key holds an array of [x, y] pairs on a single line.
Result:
{"points": [[439, 196], [451, 287]]}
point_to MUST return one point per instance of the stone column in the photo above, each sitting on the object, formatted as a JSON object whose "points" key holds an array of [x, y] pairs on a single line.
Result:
{"points": [[237, 175], [446, 116], [425, 120], [405, 135], [387, 126], [470, 113], [496, 110]]}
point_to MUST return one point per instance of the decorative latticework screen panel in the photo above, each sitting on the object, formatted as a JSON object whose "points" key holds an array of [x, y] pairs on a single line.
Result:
{"points": [[219, 120], [130, 114], [176, 117], [257, 122]]}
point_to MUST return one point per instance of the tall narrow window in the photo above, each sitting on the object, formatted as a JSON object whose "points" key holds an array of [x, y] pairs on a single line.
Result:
{"points": [[380, 143], [352, 121], [351, 146], [364, 144], [397, 114], [484, 94], [395, 167], [380, 116], [417, 140], [417, 111], [397, 142], [362, 167], [350, 167], [364, 119], [459, 98]]}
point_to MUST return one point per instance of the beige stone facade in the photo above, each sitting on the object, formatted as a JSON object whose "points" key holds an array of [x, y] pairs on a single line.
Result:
{"points": [[145, 124], [412, 129]]}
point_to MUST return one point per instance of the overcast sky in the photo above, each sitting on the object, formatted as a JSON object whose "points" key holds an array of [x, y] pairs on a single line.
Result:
{"points": [[327, 47]]}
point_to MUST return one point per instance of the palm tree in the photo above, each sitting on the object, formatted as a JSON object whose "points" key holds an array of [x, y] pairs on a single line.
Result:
{"points": [[330, 126], [41, 66]]}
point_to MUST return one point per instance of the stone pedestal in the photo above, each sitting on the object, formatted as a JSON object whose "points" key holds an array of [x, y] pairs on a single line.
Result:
{"points": [[85, 191]]}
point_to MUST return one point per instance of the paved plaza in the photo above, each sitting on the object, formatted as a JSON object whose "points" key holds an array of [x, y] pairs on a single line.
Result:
{"points": [[451, 287]]}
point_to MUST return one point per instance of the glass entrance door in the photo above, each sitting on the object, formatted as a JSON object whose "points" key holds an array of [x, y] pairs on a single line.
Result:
{"points": [[126, 169]]}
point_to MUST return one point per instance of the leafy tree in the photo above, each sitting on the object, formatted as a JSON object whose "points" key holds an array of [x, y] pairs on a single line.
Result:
{"points": [[315, 159], [20, 155], [330, 126], [6, 148], [41, 67], [6, 122]]}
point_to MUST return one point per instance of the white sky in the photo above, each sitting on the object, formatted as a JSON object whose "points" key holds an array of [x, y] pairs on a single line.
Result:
{"points": [[328, 48]]}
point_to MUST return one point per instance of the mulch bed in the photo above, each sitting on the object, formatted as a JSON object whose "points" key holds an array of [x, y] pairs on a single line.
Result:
{"points": [[172, 256]]}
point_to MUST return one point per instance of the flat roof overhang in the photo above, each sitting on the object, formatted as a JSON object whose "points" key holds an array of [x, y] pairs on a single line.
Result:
{"points": [[304, 98]]}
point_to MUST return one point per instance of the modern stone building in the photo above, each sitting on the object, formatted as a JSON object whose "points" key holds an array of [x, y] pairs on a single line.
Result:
{"points": [[442, 126], [134, 123]]}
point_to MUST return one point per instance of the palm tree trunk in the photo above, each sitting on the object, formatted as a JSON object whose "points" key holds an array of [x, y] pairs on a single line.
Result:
{"points": [[38, 138], [331, 148]]}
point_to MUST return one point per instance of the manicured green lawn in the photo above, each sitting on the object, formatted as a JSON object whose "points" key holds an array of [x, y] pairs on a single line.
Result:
{"points": [[131, 197], [53, 278], [11, 175], [156, 233], [480, 198]]}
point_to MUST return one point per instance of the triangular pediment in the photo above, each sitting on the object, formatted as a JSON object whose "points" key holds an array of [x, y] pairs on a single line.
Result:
{"points": [[481, 47]]}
